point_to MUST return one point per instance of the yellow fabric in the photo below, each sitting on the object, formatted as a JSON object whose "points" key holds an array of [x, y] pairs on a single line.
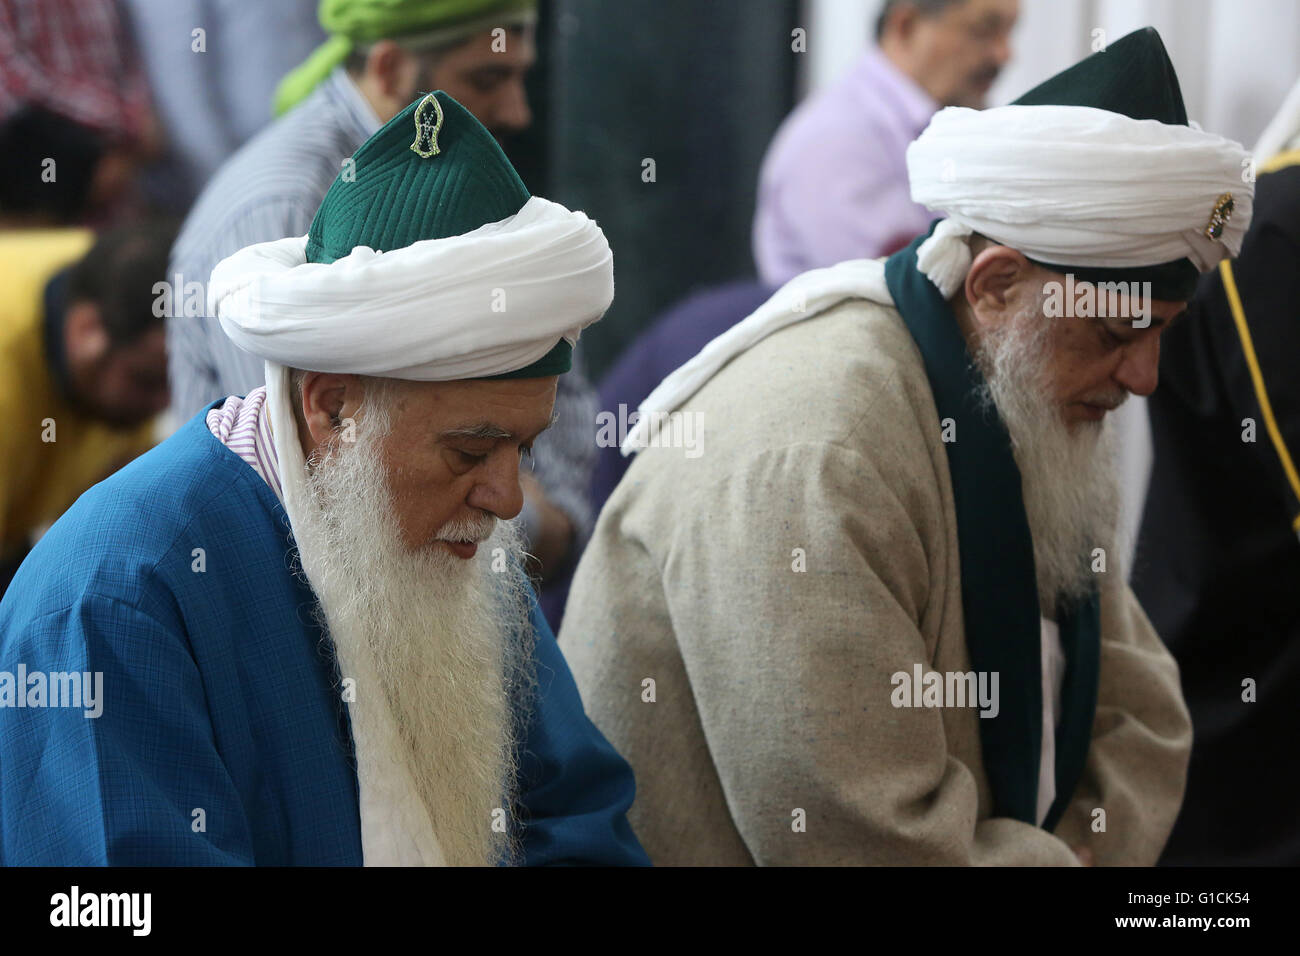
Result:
{"points": [[1280, 161], [40, 479]]}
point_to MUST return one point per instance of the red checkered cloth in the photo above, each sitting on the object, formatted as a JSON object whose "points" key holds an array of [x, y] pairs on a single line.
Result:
{"points": [[74, 58]]}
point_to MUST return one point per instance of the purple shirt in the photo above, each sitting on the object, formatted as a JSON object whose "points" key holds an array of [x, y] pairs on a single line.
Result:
{"points": [[834, 181]]}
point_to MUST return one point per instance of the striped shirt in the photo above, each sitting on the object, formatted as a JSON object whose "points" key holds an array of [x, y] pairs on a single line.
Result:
{"points": [[242, 426], [270, 189]]}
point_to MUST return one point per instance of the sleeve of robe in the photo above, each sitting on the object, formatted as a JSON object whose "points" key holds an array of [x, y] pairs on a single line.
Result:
{"points": [[1141, 744], [575, 789], [791, 672], [119, 789]]}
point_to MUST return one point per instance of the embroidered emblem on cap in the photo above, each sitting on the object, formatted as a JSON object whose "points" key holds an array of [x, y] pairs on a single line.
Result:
{"points": [[1219, 216], [427, 123]]}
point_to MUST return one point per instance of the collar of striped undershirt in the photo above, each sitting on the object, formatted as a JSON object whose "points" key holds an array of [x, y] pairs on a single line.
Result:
{"points": [[244, 426]]}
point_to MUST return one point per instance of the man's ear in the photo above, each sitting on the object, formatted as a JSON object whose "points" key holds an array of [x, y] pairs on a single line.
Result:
{"points": [[85, 340], [391, 71], [991, 279], [327, 399], [901, 22]]}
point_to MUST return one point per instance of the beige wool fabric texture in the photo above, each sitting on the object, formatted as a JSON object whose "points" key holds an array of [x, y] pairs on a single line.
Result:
{"points": [[773, 686]]}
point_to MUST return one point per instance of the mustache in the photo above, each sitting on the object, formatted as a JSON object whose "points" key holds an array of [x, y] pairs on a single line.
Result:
{"points": [[1109, 399], [475, 529]]}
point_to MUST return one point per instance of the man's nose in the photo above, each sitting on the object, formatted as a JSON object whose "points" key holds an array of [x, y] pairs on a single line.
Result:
{"points": [[499, 491], [1002, 50], [1139, 368], [512, 114]]}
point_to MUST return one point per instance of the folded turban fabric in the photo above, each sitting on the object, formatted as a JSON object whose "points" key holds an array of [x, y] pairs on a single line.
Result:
{"points": [[490, 301], [1096, 172], [1074, 187], [428, 23]]}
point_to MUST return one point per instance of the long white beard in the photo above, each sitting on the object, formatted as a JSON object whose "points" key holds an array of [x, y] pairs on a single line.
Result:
{"points": [[1069, 480], [439, 647]]}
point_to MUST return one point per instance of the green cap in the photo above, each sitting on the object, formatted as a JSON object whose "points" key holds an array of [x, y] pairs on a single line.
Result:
{"points": [[431, 172], [1133, 77]]}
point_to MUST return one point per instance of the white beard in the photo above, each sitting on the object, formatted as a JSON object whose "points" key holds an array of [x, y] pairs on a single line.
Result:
{"points": [[1068, 480], [439, 648]]}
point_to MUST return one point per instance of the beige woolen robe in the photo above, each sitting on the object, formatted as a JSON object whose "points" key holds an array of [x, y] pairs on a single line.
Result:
{"points": [[771, 737]]}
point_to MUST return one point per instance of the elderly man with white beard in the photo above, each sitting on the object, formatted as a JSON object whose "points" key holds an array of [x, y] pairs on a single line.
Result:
{"points": [[303, 618], [880, 619]]}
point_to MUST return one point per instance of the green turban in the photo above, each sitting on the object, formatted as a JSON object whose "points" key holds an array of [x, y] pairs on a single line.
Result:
{"points": [[352, 23]]}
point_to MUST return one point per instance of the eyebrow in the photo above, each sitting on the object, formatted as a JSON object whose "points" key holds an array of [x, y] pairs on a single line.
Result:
{"points": [[1159, 323], [492, 71], [1156, 321], [487, 431]]}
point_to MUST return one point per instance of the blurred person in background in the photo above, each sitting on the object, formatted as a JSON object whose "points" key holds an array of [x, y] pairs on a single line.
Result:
{"points": [[377, 57], [82, 367], [213, 67], [1218, 559], [32, 141], [73, 59], [833, 185]]}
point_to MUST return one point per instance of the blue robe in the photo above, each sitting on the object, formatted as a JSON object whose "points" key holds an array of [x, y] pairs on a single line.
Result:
{"points": [[219, 692]]}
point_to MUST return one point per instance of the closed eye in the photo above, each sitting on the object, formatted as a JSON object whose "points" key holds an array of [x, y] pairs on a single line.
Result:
{"points": [[471, 460], [1108, 334]]}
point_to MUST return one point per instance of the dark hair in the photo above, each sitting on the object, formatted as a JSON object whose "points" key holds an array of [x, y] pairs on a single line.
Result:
{"points": [[27, 140], [927, 8], [118, 275], [355, 61], [428, 59]]}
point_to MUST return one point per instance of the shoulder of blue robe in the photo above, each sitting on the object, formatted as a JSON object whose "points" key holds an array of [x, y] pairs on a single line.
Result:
{"points": [[217, 735], [575, 789]]}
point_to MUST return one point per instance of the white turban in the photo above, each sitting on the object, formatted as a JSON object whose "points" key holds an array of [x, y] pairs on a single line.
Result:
{"points": [[493, 300], [1077, 187]]}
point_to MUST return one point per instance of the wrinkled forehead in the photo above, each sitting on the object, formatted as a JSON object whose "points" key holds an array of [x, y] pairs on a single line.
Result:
{"points": [[504, 409]]}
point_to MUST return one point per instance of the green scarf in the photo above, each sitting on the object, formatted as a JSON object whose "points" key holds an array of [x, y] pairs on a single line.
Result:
{"points": [[998, 582]]}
